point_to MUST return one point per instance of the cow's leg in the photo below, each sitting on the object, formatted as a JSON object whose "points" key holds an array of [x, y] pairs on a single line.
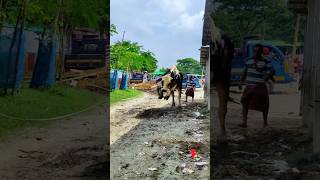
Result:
{"points": [[244, 115], [223, 94], [179, 96], [172, 94], [186, 93], [265, 118]]}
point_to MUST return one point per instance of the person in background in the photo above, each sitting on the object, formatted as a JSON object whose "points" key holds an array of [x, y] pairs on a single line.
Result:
{"points": [[190, 88], [145, 77], [204, 86], [255, 96]]}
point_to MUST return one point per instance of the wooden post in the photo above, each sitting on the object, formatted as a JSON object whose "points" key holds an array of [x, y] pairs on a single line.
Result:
{"points": [[23, 18], [296, 37], [208, 81], [307, 75]]}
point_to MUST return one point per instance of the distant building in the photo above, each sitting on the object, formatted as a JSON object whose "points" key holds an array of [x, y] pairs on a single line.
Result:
{"points": [[85, 49]]}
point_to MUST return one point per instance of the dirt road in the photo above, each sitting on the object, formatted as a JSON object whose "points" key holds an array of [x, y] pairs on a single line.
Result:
{"points": [[73, 148], [151, 140], [281, 151]]}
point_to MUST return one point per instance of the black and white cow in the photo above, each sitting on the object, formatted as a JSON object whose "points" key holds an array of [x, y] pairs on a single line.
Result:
{"points": [[170, 83]]}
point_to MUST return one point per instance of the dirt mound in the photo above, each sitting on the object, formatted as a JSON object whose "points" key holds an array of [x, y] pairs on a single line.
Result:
{"points": [[154, 112], [145, 86], [90, 161]]}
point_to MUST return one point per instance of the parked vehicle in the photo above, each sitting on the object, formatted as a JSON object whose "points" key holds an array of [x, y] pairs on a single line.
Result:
{"points": [[195, 80], [136, 77], [86, 51], [277, 59]]}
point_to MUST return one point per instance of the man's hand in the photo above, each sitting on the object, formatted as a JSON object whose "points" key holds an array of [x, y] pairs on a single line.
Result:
{"points": [[240, 86]]}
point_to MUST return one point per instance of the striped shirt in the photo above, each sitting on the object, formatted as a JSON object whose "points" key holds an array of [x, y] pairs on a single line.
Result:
{"points": [[258, 72]]}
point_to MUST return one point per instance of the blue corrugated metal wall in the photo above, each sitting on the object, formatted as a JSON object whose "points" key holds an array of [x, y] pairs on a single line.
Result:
{"points": [[11, 62], [44, 71]]}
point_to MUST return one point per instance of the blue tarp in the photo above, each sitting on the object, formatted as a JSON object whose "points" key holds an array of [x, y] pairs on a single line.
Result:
{"points": [[114, 80], [44, 71], [12, 63], [124, 81]]}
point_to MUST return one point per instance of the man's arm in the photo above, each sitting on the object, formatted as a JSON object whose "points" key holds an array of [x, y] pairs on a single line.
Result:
{"points": [[270, 70], [243, 77]]}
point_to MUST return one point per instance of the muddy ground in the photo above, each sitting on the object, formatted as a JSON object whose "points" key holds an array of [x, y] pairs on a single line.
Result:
{"points": [[72, 148], [152, 140], [280, 151]]}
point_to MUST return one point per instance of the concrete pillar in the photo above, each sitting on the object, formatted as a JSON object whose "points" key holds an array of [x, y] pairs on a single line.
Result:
{"points": [[208, 81], [316, 82], [313, 41], [307, 74]]}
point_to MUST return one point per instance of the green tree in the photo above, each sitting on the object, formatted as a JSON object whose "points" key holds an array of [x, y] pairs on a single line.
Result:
{"points": [[269, 18], [60, 17], [189, 65], [131, 56], [113, 30]]}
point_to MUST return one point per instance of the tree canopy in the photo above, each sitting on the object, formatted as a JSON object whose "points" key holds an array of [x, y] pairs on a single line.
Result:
{"points": [[269, 18], [70, 13], [189, 65], [131, 56], [113, 30]]}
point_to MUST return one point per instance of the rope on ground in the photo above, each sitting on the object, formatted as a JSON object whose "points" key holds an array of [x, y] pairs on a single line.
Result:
{"points": [[54, 118]]}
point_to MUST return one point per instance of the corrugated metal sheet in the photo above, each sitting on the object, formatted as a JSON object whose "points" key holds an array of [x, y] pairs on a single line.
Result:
{"points": [[204, 55], [209, 9]]}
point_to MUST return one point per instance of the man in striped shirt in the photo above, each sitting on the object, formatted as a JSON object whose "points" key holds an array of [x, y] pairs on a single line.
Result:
{"points": [[255, 96]]}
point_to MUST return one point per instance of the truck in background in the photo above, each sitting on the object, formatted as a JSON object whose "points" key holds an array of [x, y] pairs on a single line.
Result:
{"points": [[85, 49], [196, 80], [277, 58]]}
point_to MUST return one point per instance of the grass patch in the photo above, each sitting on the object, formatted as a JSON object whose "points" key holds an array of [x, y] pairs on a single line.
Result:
{"points": [[40, 103], [122, 95]]}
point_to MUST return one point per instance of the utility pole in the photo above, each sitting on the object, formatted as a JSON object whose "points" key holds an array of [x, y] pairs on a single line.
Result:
{"points": [[296, 37], [124, 32], [61, 42]]}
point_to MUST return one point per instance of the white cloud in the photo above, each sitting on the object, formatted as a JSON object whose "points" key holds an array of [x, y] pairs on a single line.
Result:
{"points": [[172, 29], [189, 21], [173, 6]]}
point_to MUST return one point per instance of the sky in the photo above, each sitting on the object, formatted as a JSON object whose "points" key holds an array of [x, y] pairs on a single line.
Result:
{"points": [[171, 29]]}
